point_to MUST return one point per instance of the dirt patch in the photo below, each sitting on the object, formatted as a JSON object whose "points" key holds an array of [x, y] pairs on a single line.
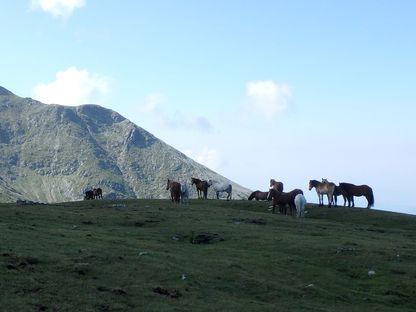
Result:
{"points": [[116, 290], [174, 294], [206, 238], [250, 221]]}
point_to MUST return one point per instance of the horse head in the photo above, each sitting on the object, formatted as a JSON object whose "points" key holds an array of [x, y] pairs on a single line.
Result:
{"points": [[168, 185], [311, 184]]}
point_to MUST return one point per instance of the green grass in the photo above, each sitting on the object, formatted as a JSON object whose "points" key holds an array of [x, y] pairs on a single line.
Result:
{"points": [[109, 256]]}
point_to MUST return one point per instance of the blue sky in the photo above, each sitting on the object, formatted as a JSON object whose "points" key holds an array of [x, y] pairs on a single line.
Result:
{"points": [[253, 89]]}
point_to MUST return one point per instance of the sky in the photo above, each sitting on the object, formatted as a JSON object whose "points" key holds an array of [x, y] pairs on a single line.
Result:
{"points": [[290, 90]]}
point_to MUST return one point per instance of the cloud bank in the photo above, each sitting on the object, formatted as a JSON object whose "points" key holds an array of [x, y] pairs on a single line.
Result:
{"points": [[209, 157], [58, 8], [73, 87]]}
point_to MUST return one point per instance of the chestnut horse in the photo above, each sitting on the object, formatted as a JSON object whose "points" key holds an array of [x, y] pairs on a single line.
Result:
{"points": [[352, 190], [258, 195], [201, 187], [175, 191], [282, 199]]}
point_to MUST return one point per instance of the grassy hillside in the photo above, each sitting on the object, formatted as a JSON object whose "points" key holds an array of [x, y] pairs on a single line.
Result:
{"points": [[141, 255]]}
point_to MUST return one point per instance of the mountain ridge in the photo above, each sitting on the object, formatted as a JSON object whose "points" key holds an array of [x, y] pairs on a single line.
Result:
{"points": [[52, 153]]}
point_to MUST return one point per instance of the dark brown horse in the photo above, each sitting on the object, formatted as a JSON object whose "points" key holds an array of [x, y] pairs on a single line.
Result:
{"points": [[175, 191], [339, 192], [278, 186], [201, 187], [283, 199], [89, 195], [258, 195], [352, 190], [98, 193]]}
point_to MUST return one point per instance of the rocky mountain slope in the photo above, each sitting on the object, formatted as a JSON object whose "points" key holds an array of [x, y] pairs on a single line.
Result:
{"points": [[52, 153]]}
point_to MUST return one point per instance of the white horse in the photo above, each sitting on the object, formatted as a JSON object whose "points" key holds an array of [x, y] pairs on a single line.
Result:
{"points": [[184, 193], [220, 187], [300, 203]]}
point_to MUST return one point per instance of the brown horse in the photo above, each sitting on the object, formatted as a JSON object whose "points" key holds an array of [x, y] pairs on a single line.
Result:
{"points": [[283, 199], [352, 190], [201, 187], [258, 195], [175, 191], [98, 193], [278, 186]]}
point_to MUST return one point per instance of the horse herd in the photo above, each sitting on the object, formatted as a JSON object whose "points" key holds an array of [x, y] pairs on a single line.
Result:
{"points": [[289, 203], [347, 190], [95, 193], [180, 192]]}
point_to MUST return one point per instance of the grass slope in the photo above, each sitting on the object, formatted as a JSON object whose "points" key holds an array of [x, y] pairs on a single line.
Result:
{"points": [[110, 255]]}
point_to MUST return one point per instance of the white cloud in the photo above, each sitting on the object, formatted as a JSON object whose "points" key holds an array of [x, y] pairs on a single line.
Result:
{"points": [[267, 97], [58, 8], [209, 157], [73, 87]]}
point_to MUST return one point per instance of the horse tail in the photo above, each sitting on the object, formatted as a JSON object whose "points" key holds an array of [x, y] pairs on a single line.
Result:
{"points": [[251, 196], [370, 197]]}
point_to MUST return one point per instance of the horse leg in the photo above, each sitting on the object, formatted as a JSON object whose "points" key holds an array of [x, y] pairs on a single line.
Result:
{"points": [[329, 199], [218, 195], [352, 199]]}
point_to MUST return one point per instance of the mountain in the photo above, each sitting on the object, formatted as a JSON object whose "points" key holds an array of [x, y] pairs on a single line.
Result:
{"points": [[53, 153]]}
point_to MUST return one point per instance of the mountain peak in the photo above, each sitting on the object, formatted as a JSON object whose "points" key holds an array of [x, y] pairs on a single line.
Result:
{"points": [[4, 91]]}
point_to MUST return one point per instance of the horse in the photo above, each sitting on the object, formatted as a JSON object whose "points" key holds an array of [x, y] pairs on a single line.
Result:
{"points": [[352, 190], [337, 192], [89, 195], [201, 187], [300, 203], [184, 193], [175, 191], [98, 193], [282, 199], [321, 189], [258, 195], [220, 188], [278, 186]]}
